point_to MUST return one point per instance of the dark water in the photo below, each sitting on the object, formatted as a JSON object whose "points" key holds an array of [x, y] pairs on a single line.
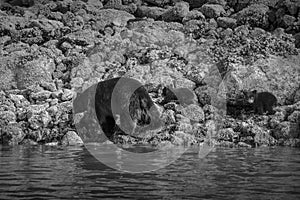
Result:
{"points": [[72, 173]]}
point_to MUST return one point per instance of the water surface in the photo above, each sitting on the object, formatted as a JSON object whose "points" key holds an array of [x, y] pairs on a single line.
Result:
{"points": [[73, 173]]}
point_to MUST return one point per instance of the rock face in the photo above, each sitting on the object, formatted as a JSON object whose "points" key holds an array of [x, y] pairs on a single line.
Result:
{"points": [[72, 139], [52, 52]]}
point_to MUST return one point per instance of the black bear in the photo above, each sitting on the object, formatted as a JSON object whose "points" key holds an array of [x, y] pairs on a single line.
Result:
{"points": [[263, 102], [124, 104]]}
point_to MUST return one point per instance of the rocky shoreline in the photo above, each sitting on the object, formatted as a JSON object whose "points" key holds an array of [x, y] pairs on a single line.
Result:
{"points": [[51, 50]]}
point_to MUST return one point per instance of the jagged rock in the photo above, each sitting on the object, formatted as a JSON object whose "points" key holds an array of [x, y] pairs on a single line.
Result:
{"points": [[35, 71], [29, 142], [118, 4], [194, 112], [227, 134], [263, 137], [40, 96], [286, 130], [194, 14], [150, 12], [7, 117], [110, 16], [256, 15], [220, 2], [294, 117], [36, 109], [53, 110], [72, 139], [67, 95], [226, 22], [19, 100], [177, 13], [212, 10], [39, 121], [11, 134], [169, 117], [288, 20], [243, 144], [196, 3], [182, 138]]}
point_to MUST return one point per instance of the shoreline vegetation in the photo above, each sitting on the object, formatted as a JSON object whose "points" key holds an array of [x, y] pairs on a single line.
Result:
{"points": [[51, 51]]}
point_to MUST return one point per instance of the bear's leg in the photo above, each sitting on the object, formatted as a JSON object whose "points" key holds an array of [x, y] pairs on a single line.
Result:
{"points": [[269, 109], [259, 108], [108, 126]]}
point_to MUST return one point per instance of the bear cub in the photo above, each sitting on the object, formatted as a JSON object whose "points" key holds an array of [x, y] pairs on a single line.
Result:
{"points": [[263, 102]]}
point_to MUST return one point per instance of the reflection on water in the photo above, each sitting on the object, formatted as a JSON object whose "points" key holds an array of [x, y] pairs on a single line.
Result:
{"points": [[72, 173]]}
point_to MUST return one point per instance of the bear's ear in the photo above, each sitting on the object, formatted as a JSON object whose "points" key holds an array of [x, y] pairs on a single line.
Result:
{"points": [[254, 91]]}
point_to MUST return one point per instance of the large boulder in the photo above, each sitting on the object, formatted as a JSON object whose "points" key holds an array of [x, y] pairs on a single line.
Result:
{"points": [[212, 10], [255, 15], [111, 16]]}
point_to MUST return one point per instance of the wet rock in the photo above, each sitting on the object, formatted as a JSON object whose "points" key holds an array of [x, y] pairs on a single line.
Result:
{"points": [[193, 112], [72, 139], [51, 144], [212, 10], [11, 134], [177, 13], [182, 138], [169, 117], [286, 130], [243, 144], [226, 22], [67, 95], [227, 134], [93, 5], [256, 15], [29, 142], [292, 142], [150, 12], [264, 138]]}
